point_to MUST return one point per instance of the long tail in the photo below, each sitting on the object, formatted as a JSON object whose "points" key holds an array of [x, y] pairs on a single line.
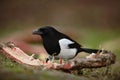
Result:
{"points": [[90, 50]]}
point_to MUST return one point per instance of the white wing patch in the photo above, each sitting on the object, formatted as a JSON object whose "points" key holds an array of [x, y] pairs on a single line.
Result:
{"points": [[65, 51]]}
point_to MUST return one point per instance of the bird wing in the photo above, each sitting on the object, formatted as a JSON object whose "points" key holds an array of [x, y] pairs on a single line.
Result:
{"points": [[74, 45]]}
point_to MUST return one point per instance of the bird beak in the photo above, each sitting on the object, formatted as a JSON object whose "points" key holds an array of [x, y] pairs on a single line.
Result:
{"points": [[36, 32]]}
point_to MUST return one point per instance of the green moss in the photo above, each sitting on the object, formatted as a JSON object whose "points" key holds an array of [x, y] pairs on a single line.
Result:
{"points": [[10, 65]]}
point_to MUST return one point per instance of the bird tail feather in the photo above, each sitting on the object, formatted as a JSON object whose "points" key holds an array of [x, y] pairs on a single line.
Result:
{"points": [[91, 50]]}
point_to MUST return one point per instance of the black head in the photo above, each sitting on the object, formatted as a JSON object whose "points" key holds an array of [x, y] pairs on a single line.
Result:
{"points": [[44, 31]]}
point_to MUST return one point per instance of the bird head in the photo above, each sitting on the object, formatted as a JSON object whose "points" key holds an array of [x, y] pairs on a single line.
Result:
{"points": [[45, 31]]}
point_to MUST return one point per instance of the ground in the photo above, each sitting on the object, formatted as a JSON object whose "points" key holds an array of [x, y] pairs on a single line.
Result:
{"points": [[107, 39]]}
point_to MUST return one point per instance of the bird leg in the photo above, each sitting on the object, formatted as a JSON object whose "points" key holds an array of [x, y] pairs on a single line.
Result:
{"points": [[61, 60]]}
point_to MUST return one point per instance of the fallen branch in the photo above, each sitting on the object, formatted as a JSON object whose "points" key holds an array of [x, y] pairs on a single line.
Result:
{"points": [[11, 51], [92, 61]]}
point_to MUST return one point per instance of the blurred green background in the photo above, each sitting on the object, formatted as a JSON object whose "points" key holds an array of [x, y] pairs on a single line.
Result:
{"points": [[94, 24]]}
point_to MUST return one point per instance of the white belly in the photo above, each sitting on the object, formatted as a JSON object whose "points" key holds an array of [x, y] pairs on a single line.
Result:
{"points": [[65, 51]]}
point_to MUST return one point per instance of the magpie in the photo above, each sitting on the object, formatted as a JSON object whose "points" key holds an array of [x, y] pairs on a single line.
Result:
{"points": [[60, 45]]}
